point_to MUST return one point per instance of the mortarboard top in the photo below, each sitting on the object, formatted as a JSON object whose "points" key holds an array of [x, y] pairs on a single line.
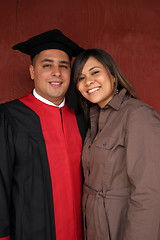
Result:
{"points": [[53, 39]]}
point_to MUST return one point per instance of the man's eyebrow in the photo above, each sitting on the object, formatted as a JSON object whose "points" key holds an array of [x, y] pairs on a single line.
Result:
{"points": [[47, 60], [65, 62], [50, 60], [93, 68]]}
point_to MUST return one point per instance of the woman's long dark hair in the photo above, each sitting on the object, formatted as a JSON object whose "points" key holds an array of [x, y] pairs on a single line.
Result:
{"points": [[104, 58]]}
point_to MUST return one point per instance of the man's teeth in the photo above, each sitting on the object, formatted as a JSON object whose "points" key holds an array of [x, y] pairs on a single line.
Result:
{"points": [[93, 90], [55, 83]]}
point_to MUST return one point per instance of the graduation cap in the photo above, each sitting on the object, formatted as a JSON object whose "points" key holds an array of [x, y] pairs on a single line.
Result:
{"points": [[53, 39]]}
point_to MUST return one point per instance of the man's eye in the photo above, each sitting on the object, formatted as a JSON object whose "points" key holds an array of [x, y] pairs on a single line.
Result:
{"points": [[47, 66], [64, 66]]}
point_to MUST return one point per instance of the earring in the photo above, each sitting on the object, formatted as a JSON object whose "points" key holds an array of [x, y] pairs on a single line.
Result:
{"points": [[116, 92]]}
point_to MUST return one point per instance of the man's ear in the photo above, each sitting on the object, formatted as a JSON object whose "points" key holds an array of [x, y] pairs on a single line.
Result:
{"points": [[31, 70]]}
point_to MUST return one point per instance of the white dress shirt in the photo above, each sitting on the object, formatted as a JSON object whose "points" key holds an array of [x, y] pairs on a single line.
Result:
{"points": [[36, 95]]}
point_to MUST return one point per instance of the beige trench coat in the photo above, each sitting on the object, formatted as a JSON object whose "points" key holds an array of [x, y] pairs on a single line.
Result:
{"points": [[121, 194]]}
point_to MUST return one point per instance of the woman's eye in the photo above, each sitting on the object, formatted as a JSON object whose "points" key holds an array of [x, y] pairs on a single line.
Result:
{"points": [[80, 78], [95, 72]]}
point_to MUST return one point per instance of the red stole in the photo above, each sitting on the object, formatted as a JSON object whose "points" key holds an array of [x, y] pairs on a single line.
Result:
{"points": [[64, 145]]}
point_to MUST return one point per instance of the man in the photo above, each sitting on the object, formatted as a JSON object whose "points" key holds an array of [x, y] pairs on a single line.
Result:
{"points": [[40, 148]]}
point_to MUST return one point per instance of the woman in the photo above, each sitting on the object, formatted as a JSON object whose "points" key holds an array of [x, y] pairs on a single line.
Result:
{"points": [[121, 154]]}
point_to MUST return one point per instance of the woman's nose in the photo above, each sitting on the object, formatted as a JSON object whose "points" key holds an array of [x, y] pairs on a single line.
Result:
{"points": [[89, 81]]}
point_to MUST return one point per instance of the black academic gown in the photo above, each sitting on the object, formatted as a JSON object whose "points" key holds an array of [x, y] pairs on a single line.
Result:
{"points": [[21, 138]]}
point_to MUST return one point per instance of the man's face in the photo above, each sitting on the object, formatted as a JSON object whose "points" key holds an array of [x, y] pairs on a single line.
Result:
{"points": [[51, 74]]}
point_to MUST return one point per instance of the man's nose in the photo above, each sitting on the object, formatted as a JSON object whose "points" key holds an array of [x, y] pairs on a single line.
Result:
{"points": [[56, 71]]}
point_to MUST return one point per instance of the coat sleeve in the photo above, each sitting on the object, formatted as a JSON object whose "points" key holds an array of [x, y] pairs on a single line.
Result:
{"points": [[6, 168], [143, 169]]}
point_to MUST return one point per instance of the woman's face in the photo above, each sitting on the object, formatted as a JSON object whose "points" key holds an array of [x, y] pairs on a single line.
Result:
{"points": [[95, 83]]}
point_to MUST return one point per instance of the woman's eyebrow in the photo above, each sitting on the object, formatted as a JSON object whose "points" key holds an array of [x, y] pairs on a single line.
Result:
{"points": [[93, 68]]}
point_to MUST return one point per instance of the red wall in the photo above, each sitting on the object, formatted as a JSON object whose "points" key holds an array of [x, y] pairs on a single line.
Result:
{"points": [[128, 30]]}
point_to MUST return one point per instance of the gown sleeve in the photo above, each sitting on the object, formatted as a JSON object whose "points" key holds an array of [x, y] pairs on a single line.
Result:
{"points": [[143, 168], [6, 168]]}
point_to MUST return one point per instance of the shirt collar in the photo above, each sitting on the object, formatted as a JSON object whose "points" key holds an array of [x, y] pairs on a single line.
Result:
{"points": [[36, 95], [117, 100], [115, 103]]}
